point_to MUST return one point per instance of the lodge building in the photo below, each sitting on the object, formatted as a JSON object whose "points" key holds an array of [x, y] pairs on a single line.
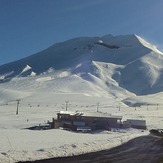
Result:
{"points": [[88, 120]]}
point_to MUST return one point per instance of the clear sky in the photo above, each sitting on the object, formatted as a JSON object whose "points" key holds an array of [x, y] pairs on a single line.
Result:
{"points": [[29, 26]]}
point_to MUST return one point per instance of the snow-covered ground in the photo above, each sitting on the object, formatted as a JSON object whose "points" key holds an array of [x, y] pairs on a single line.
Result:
{"points": [[18, 143]]}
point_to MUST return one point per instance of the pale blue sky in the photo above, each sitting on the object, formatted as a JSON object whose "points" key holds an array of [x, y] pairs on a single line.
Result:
{"points": [[29, 26]]}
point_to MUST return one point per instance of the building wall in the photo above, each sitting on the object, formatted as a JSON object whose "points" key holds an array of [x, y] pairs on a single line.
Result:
{"points": [[136, 122]]}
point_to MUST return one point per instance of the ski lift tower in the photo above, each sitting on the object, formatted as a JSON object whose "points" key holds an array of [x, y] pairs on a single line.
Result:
{"points": [[17, 110]]}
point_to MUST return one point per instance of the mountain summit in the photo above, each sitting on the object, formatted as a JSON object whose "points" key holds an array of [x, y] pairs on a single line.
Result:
{"points": [[125, 62]]}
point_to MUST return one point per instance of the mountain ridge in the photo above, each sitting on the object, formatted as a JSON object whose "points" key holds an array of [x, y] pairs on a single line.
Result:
{"points": [[90, 58]]}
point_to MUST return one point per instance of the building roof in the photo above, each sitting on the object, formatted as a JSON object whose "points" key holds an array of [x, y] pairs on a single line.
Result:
{"points": [[91, 114]]}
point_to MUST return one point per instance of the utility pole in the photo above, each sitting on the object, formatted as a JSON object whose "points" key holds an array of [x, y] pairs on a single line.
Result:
{"points": [[157, 106], [98, 106], [119, 106], [67, 105], [17, 110], [147, 107]]}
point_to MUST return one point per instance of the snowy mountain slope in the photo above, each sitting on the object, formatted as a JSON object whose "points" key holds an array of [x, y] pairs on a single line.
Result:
{"points": [[144, 75], [63, 55], [58, 56], [132, 66]]}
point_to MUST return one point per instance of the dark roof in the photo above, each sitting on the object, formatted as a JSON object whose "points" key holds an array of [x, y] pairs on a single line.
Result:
{"points": [[90, 114]]}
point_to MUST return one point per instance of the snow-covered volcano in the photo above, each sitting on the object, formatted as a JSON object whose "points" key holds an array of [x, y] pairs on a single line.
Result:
{"points": [[113, 65], [111, 73]]}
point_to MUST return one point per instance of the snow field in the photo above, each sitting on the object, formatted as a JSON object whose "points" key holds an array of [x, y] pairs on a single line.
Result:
{"points": [[19, 144]]}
